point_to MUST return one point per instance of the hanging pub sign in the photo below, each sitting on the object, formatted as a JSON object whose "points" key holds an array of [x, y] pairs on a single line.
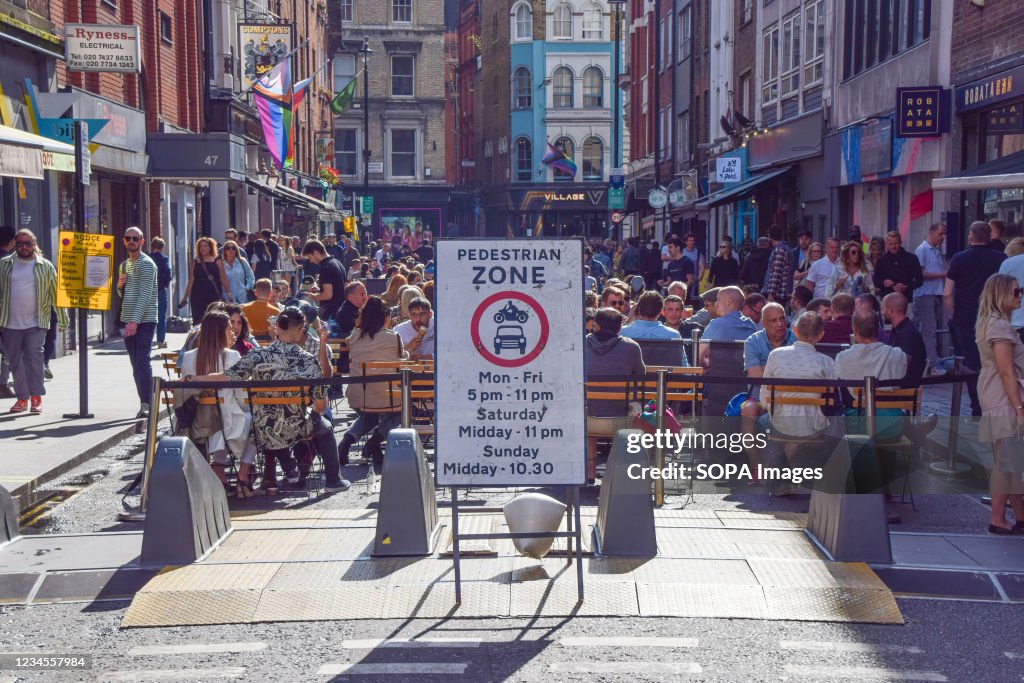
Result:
{"points": [[922, 112], [262, 47]]}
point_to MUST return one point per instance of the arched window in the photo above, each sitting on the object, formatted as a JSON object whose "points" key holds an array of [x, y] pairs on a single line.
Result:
{"points": [[593, 87], [566, 146], [593, 23], [524, 22], [522, 89], [561, 90], [593, 159], [563, 21], [524, 160]]}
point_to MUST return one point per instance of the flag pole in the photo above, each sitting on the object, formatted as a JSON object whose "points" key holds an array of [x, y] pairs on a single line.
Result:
{"points": [[287, 56]]}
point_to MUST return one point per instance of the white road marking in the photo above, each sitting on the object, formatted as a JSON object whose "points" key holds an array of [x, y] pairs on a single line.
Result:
{"points": [[625, 641], [1013, 655], [651, 668], [375, 643], [173, 674], [826, 646], [864, 673], [195, 649], [385, 669]]}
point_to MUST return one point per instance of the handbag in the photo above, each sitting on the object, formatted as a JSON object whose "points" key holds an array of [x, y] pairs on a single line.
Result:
{"points": [[185, 414], [647, 419]]}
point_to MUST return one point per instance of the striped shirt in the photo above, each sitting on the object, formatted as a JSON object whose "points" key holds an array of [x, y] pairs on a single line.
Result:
{"points": [[46, 291], [139, 298]]}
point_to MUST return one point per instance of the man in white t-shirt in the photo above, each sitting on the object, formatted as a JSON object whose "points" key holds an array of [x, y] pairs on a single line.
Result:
{"points": [[417, 332], [821, 270]]}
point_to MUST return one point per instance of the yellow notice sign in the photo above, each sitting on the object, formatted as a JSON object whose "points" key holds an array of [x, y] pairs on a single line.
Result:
{"points": [[85, 267]]}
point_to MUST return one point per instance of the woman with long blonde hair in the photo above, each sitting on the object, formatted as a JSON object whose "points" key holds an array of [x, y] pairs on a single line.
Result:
{"points": [[1001, 395], [287, 262], [207, 281], [392, 296], [852, 275]]}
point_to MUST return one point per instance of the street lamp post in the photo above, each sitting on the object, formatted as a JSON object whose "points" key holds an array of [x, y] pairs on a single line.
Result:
{"points": [[365, 51], [616, 109]]}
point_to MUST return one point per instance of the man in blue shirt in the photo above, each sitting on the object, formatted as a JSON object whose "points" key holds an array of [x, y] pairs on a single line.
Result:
{"points": [[730, 324], [776, 333], [646, 326]]}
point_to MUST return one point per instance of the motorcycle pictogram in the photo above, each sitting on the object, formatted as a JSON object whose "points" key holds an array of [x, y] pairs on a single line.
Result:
{"points": [[511, 313]]}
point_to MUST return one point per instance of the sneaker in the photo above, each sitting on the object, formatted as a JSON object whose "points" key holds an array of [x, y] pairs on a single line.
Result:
{"points": [[37, 404], [47, 373], [19, 406], [143, 410], [338, 486]]}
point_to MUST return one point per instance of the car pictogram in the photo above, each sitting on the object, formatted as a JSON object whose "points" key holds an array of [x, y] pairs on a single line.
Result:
{"points": [[509, 337]]}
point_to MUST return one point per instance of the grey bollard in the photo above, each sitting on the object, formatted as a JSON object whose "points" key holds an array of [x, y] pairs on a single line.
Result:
{"points": [[407, 511], [625, 509], [188, 509], [852, 527], [9, 530]]}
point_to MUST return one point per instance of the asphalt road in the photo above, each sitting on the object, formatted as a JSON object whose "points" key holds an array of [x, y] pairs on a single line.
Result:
{"points": [[941, 641]]}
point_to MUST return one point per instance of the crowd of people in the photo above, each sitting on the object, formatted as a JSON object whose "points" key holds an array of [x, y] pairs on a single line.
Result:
{"points": [[881, 308], [263, 307]]}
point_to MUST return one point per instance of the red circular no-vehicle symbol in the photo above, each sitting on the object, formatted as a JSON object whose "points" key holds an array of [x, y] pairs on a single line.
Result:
{"points": [[484, 349]]}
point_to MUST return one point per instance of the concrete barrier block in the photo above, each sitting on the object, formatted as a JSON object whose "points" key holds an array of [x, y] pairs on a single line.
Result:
{"points": [[9, 529], [625, 507], [407, 513], [851, 526], [188, 509]]}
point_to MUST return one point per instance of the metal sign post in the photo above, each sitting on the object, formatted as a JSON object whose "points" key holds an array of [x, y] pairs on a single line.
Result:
{"points": [[82, 173], [514, 412]]}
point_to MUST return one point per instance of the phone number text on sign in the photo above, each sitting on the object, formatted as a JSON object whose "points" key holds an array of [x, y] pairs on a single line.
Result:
{"points": [[510, 363]]}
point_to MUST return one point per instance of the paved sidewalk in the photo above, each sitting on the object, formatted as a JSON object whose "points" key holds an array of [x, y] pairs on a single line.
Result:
{"points": [[39, 448]]}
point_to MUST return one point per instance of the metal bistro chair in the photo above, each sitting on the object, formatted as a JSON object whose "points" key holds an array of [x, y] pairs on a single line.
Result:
{"points": [[908, 401], [599, 428]]}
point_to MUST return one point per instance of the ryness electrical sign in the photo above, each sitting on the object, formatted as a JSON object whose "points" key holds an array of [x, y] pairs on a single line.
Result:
{"points": [[102, 47]]}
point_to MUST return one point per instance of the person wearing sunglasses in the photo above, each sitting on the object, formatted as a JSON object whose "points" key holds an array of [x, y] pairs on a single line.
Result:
{"points": [[29, 286], [138, 285]]}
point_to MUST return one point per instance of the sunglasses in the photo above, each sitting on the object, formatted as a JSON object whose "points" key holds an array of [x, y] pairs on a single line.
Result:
{"points": [[24, 244], [230, 249], [132, 238], [615, 303]]}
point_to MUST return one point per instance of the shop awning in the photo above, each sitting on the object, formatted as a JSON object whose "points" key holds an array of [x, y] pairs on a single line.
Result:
{"points": [[305, 199], [25, 155], [1001, 174], [741, 190]]}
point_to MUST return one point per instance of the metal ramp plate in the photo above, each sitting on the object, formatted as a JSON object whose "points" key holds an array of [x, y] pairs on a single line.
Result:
{"points": [[313, 566]]}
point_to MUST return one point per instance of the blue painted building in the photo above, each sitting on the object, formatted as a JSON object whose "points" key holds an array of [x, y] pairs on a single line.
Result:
{"points": [[560, 72]]}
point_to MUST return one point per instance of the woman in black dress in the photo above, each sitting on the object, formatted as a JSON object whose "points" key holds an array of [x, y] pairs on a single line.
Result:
{"points": [[207, 281], [262, 261], [725, 270]]}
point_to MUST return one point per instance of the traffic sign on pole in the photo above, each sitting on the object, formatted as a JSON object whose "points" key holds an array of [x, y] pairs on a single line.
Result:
{"points": [[514, 413], [616, 198], [617, 216]]}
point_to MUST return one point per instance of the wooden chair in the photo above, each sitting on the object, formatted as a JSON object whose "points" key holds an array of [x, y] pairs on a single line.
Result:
{"points": [[907, 400], [169, 360], [298, 396]]}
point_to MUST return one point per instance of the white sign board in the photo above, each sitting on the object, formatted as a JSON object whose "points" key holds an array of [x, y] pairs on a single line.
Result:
{"points": [[509, 363], [102, 47], [376, 167], [727, 169]]}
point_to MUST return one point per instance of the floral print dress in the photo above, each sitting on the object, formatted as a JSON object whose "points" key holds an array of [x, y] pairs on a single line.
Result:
{"points": [[280, 426]]}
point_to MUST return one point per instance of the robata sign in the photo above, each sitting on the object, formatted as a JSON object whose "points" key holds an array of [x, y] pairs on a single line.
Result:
{"points": [[102, 47], [512, 410]]}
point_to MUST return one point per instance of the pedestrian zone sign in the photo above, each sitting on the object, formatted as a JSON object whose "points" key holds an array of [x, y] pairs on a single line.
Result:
{"points": [[510, 360], [84, 270]]}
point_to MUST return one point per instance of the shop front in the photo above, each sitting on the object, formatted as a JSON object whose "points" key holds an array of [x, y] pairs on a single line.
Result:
{"points": [[990, 180], [882, 181], [556, 211], [116, 196], [786, 166], [407, 216]]}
